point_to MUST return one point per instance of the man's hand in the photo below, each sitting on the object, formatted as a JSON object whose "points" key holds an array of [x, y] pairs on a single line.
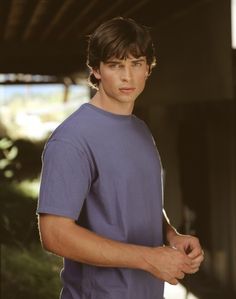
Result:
{"points": [[168, 264], [190, 246], [186, 244]]}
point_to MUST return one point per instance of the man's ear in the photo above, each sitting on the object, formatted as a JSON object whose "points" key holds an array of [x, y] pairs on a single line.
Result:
{"points": [[96, 73], [148, 72]]}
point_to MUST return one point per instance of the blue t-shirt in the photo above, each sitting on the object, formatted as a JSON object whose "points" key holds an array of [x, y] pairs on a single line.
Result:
{"points": [[103, 170]]}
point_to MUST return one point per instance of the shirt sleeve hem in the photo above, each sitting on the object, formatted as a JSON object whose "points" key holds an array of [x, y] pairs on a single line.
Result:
{"points": [[57, 212]]}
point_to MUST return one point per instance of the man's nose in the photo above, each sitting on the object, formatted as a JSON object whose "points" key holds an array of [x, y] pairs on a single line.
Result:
{"points": [[126, 74]]}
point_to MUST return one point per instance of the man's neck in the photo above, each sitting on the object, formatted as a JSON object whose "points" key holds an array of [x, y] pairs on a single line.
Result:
{"points": [[112, 106]]}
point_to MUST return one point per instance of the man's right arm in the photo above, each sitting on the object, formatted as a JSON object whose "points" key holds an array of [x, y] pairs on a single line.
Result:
{"points": [[62, 236]]}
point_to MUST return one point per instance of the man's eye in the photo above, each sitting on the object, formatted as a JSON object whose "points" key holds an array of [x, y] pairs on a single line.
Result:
{"points": [[137, 64], [112, 66]]}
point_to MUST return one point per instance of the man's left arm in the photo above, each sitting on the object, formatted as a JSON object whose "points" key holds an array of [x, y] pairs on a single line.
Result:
{"points": [[187, 244]]}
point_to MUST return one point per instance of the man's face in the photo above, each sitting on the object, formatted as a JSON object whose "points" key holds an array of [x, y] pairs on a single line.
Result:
{"points": [[122, 80]]}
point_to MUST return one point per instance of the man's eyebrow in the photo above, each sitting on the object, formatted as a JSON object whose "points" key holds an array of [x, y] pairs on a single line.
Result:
{"points": [[138, 60], [113, 61], [117, 61]]}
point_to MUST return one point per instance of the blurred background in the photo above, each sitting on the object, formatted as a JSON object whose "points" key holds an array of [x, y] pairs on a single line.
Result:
{"points": [[189, 104]]}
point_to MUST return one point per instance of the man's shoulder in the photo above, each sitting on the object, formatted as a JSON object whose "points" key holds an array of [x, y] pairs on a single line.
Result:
{"points": [[73, 128], [142, 124]]}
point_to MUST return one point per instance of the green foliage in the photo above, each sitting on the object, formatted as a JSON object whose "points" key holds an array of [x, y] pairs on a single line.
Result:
{"points": [[26, 270], [18, 219], [19, 159], [28, 274]]}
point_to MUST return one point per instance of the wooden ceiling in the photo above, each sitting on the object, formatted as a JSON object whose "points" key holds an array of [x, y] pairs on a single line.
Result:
{"points": [[49, 36]]}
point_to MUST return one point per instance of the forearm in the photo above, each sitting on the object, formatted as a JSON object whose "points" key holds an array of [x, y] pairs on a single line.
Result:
{"points": [[77, 243], [63, 237]]}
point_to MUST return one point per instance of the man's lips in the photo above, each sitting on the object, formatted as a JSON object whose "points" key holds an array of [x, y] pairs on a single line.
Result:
{"points": [[127, 89]]}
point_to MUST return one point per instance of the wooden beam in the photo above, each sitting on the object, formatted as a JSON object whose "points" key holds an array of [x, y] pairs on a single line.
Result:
{"points": [[54, 58], [36, 18], [56, 81], [14, 19], [180, 13], [79, 18], [4, 12], [134, 8], [62, 11], [101, 17]]}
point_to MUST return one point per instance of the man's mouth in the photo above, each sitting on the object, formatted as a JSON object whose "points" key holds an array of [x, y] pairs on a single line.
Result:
{"points": [[127, 89]]}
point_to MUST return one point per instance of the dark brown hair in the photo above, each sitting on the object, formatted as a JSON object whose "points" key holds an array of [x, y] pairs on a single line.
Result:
{"points": [[119, 38]]}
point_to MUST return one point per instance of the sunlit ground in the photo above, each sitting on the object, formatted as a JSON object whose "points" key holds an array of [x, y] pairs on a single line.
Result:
{"points": [[177, 292], [34, 111]]}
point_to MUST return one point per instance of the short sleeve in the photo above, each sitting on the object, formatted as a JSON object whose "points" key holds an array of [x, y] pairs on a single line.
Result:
{"points": [[65, 180]]}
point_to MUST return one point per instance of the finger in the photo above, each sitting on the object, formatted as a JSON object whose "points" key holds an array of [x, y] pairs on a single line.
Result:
{"points": [[180, 275], [173, 281], [188, 268], [170, 279], [194, 270], [195, 266], [195, 263], [198, 260], [195, 252], [180, 247], [198, 253]]}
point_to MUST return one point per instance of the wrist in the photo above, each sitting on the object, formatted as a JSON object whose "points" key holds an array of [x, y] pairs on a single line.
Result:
{"points": [[171, 233], [146, 254]]}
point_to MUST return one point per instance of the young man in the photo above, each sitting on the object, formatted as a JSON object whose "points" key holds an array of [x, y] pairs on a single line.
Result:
{"points": [[100, 203]]}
